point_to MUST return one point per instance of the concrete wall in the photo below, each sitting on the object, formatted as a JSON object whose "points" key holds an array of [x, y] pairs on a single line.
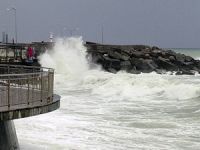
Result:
{"points": [[32, 111], [8, 137]]}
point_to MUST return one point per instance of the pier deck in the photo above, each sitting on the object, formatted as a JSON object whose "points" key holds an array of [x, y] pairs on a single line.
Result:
{"points": [[25, 91]]}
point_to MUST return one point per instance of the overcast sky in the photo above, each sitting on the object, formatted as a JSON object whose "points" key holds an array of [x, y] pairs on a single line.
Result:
{"points": [[165, 23]]}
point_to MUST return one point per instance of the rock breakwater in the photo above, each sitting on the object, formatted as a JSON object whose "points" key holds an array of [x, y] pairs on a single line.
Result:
{"points": [[141, 58]]}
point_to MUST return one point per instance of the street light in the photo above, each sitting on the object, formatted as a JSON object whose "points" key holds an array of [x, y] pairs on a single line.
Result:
{"points": [[15, 14], [102, 34]]}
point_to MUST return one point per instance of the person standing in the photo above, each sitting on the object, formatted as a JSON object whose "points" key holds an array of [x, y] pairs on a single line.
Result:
{"points": [[30, 54]]}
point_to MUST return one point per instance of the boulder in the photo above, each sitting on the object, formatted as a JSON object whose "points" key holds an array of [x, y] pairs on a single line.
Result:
{"points": [[128, 51], [140, 47], [166, 64], [111, 63], [117, 55], [155, 48], [124, 56], [170, 52], [97, 58], [138, 54], [147, 56], [180, 57], [125, 65], [161, 71], [188, 58], [157, 51], [172, 58], [144, 65]]}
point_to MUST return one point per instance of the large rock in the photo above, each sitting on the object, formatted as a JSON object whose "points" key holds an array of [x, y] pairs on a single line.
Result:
{"points": [[117, 55], [128, 51], [166, 64], [172, 58], [138, 54], [189, 59], [180, 58], [97, 58], [125, 65], [144, 65], [155, 48], [111, 63]]}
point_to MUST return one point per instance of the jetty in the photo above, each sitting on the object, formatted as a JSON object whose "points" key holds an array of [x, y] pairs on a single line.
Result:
{"points": [[138, 59], [25, 91]]}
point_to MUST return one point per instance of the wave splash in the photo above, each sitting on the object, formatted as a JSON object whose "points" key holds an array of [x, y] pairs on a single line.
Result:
{"points": [[68, 58]]}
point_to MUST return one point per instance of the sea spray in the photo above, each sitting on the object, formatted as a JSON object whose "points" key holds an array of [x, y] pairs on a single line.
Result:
{"points": [[68, 57], [101, 110]]}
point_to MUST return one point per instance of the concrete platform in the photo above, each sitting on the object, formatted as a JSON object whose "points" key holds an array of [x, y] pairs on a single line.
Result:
{"points": [[31, 111], [8, 137], [25, 91]]}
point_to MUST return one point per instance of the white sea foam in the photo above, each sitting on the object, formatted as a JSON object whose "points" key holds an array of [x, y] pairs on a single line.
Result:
{"points": [[68, 57], [101, 110]]}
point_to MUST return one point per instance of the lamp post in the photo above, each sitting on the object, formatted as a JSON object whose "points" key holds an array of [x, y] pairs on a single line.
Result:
{"points": [[15, 15], [102, 34]]}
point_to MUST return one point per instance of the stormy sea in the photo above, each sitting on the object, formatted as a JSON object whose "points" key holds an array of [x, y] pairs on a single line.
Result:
{"points": [[104, 111]]}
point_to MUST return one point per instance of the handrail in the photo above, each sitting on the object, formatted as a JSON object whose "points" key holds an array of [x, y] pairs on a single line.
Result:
{"points": [[29, 87], [19, 66]]}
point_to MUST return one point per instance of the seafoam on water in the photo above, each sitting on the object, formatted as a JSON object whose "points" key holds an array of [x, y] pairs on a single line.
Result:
{"points": [[101, 110]]}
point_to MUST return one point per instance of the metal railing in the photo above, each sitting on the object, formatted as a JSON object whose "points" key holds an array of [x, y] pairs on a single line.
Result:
{"points": [[25, 87]]}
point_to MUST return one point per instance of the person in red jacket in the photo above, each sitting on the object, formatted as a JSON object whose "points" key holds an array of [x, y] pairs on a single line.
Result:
{"points": [[29, 53]]}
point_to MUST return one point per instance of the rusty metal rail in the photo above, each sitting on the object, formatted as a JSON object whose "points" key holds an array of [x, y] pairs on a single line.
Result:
{"points": [[25, 86]]}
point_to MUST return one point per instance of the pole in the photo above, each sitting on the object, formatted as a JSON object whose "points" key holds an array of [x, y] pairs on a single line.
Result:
{"points": [[102, 30], [15, 24], [15, 16]]}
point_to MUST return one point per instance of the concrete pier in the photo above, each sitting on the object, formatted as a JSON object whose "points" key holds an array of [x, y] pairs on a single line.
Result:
{"points": [[24, 92], [8, 136]]}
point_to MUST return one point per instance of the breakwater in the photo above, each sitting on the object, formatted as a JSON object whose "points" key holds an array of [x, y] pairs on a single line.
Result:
{"points": [[141, 58]]}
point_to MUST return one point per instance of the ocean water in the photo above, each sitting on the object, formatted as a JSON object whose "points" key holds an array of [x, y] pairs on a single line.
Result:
{"points": [[104, 111], [194, 52]]}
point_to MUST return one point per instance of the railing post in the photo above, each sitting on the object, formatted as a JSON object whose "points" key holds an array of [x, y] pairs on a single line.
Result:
{"points": [[28, 91], [8, 69], [49, 97], [41, 92], [52, 84], [6, 54], [8, 92]]}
